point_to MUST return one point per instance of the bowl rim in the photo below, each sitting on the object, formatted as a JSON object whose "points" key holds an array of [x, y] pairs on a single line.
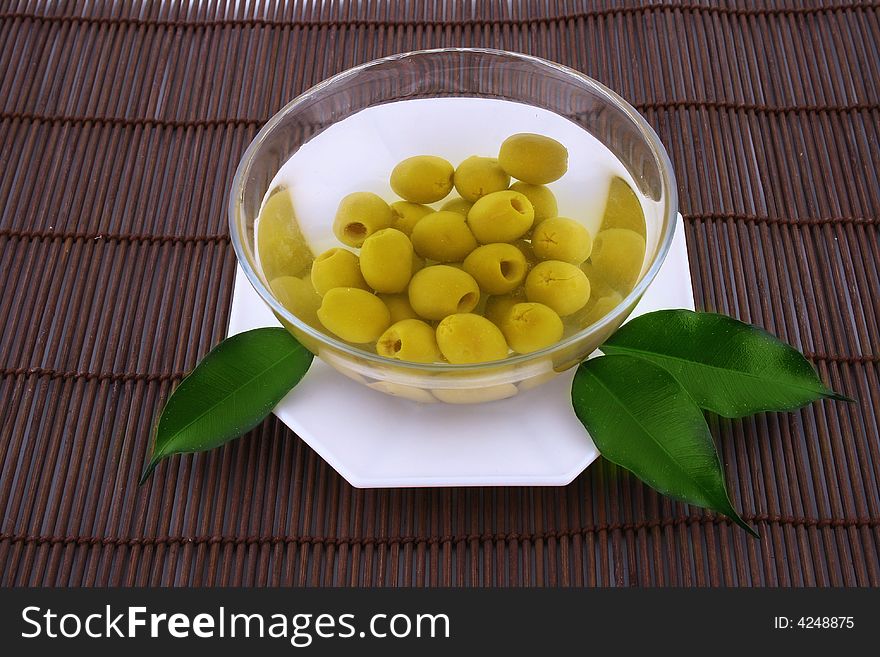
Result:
{"points": [[648, 133]]}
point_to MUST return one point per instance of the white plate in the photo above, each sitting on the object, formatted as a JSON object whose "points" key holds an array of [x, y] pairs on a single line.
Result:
{"points": [[375, 440]]}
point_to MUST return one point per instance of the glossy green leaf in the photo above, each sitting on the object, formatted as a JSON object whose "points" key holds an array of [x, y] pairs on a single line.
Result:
{"points": [[229, 392], [728, 367], [641, 419]]}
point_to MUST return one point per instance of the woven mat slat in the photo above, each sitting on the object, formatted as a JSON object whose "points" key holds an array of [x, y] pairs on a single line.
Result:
{"points": [[656, 36], [737, 150], [121, 125]]}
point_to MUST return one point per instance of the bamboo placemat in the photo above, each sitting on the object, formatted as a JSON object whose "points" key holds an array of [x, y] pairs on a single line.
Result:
{"points": [[121, 124]]}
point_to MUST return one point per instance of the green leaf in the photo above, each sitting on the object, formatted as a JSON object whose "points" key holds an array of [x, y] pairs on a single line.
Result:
{"points": [[728, 367], [229, 392], [641, 419]]}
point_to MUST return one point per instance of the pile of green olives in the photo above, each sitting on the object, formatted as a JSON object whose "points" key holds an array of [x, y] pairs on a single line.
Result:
{"points": [[464, 267]]}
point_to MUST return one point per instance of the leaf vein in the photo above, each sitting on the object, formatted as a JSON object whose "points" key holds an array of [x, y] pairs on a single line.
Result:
{"points": [[752, 375], [160, 451], [662, 447]]}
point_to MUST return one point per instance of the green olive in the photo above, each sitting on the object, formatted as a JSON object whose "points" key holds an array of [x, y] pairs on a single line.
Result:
{"points": [[299, 297], [480, 308], [412, 393], [467, 338], [422, 179], [359, 215], [599, 287], [541, 198], [497, 307], [386, 261], [559, 285], [528, 327], [399, 307], [354, 315], [418, 262], [443, 237], [478, 176], [457, 205], [560, 238], [525, 247], [405, 215], [601, 307], [282, 249], [618, 255], [441, 290], [597, 307], [480, 395], [409, 339], [337, 268], [501, 217], [603, 299], [622, 209], [533, 159], [497, 268]]}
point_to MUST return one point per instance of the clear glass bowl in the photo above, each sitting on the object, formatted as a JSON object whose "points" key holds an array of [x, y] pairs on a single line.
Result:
{"points": [[457, 72]]}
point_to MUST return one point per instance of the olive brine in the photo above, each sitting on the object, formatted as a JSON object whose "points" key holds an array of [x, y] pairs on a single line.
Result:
{"points": [[490, 271]]}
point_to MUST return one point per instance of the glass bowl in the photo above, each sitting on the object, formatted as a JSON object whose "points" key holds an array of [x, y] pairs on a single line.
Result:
{"points": [[444, 73]]}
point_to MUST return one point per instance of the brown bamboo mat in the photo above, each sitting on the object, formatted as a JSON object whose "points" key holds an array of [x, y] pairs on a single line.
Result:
{"points": [[121, 124]]}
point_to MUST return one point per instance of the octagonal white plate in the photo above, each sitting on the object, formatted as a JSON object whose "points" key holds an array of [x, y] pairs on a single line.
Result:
{"points": [[375, 440]]}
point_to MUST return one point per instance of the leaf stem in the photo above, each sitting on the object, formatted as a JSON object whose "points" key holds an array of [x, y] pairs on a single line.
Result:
{"points": [[149, 470]]}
